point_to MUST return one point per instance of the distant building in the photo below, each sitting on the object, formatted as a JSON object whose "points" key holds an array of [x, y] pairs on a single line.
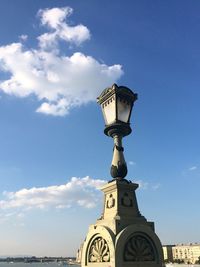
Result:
{"points": [[187, 253], [167, 253]]}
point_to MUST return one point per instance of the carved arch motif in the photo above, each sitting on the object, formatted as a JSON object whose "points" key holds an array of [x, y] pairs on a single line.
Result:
{"points": [[139, 248], [99, 251]]}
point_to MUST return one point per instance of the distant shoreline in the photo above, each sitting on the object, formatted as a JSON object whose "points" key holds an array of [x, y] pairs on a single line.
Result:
{"points": [[32, 259]]}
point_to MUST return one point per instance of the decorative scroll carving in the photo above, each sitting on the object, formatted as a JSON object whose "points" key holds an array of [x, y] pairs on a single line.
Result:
{"points": [[110, 202], [139, 248], [126, 201], [99, 251]]}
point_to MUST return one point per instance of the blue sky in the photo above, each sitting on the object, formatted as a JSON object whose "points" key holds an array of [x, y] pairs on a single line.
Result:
{"points": [[55, 59]]}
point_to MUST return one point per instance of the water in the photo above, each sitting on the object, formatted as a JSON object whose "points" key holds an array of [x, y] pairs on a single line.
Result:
{"points": [[21, 264]]}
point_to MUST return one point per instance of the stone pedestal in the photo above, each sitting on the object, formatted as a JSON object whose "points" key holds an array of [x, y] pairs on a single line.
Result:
{"points": [[122, 237]]}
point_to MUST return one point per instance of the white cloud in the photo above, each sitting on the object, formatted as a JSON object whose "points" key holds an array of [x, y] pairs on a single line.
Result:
{"points": [[145, 185], [23, 37], [60, 108], [55, 19], [193, 168], [156, 186], [78, 191], [131, 163], [142, 184], [58, 81], [13, 216]]}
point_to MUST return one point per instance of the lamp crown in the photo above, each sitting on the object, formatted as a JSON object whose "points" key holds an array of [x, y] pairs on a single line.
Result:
{"points": [[122, 91]]}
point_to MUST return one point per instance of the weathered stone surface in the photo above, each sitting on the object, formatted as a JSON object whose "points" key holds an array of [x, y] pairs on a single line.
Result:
{"points": [[122, 237]]}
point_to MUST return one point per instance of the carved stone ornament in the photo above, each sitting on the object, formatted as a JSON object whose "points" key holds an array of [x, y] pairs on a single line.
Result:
{"points": [[118, 171], [139, 248], [99, 251], [110, 202], [126, 201]]}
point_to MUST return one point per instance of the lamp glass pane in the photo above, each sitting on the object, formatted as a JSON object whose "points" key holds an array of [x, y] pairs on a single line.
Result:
{"points": [[109, 111], [123, 109]]}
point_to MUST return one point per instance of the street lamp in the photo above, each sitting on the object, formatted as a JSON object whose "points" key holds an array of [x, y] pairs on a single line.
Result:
{"points": [[116, 104], [121, 236]]}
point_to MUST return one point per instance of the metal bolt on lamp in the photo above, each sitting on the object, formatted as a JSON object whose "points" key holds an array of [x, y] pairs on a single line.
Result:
{"points": [[116, 104]]}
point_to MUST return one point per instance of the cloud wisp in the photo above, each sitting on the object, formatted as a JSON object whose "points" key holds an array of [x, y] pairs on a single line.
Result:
{"points": [[145, 185], [193, 168], [132, 163], [60, 82], [77, 192], [81, 192]]}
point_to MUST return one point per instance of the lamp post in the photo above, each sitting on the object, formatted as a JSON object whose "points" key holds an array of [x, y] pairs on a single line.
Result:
{"points": [[116, 104], [122, 236]]}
